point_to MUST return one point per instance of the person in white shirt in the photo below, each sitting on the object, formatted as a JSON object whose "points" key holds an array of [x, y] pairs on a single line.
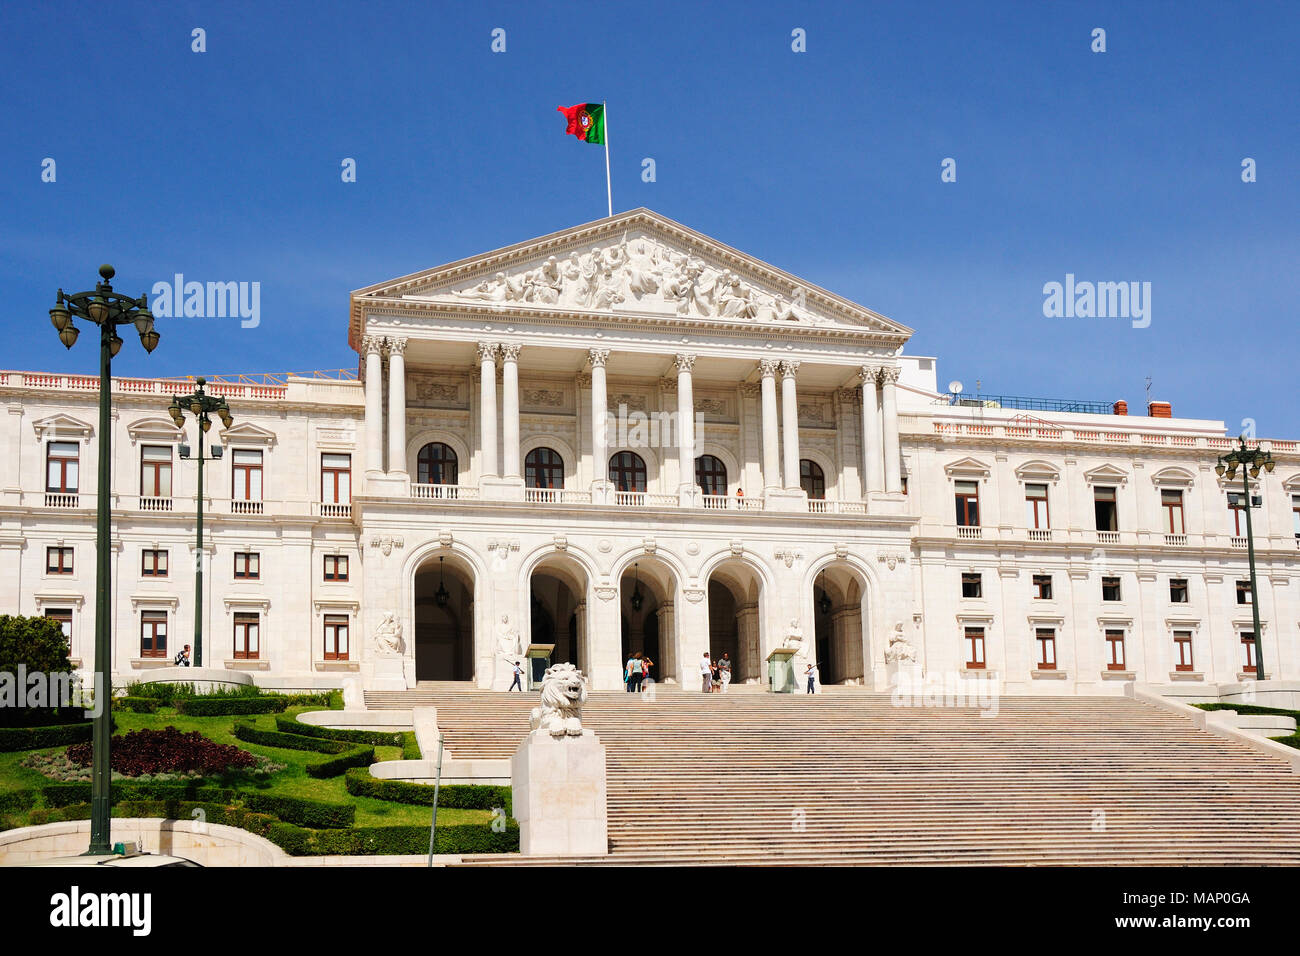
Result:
{"points": [[706, 673], [724, 670], [811, 674]]}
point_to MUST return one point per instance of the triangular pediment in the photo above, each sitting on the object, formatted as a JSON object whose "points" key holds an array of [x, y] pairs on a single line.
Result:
{"points": [[62, 427], [246, 433], [1106, 474], [634, 264], [154, 429], [967, 468]]}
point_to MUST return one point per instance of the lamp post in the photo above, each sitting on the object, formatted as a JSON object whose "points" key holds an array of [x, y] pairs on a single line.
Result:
{"points": [[201, 405], [108, 310], [1251, 460]]}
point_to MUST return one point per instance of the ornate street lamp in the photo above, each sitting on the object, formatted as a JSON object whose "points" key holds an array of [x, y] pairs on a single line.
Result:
{"points": [[202, 406], [108, 310], [1250, 460]]}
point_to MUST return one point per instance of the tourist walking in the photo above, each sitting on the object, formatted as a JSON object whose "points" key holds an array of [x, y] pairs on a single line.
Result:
{"points": [[516, 685], [811, 674], [646, 677], [706, 674], [633, 667], [724, 670]]}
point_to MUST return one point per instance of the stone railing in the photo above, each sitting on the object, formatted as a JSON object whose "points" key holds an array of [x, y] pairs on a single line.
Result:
{"points": [[1101, 436]]}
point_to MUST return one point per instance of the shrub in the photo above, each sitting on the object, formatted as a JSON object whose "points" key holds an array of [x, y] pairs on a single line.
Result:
{"points": [[307, 813], [12, 801], [378, 738], [167, 751], [452, 796], [69, 794], [222, 706], [356, 757], [37, 645], [37, 738], [410, 746], [273, 738], [140, 705]]}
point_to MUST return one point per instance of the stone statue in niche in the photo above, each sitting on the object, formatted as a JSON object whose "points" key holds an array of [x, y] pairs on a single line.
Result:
{"points": [[508, 639], [900, 650], [794, 638], [388, 636]]}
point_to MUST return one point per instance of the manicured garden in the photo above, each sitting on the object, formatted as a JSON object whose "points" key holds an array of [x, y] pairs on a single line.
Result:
{"points": [[1291, 740]]}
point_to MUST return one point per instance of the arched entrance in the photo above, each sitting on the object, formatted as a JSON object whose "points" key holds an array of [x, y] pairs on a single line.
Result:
{"points": [[838, 612], [444, 619], [646, 592], [734, 591], [557, 601]]}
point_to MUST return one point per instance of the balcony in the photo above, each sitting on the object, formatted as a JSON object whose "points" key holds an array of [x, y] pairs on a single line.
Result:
{"points": [[1040, 534], [969, 532], [331, 509], [62, 499], [152, 503], [445, 492], [1240, 542], [821, 506], [1108, 537], [240, 506], [556, 496], [1176, 540], [643, 499]]}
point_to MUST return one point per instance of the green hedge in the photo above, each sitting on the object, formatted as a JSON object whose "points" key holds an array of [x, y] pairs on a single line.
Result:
{"points": [[38, 738], [452, 796], [410, 747], [307, 813], [68, 794], [304, 841], [226, 706], [1250, 709], [356, 757], [273, 738], [140, 705], [13, 801], [378, 738]]}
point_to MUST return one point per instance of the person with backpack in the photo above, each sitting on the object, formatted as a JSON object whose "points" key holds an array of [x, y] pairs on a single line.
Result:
{"points": [[183, 657], [519, 673]]}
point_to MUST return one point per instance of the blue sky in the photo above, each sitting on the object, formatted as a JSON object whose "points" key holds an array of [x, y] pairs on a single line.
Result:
{"points": [[1115, 166]]}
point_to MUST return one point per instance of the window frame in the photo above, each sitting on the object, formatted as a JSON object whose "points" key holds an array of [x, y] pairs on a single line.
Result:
{"points": [[446, 463], [1171, 508], [1042, 584], [1118, 586], [246, 470], [60, 567], [623, 464], [63, 461], [544, 468], [152, 570], [976, 647], [1099, 498], [150, 620], [250, 622], [340, 563], [707, 479], [64, 616], [973, 580], [1115, 638], [1243, 590], [1249, 665], [1046, 647], [1179, 585], [812, 479], [250, 557], [335, 476], [1032, 503], [968, 503], [334, 626], [159, 468], [1184, 653]]}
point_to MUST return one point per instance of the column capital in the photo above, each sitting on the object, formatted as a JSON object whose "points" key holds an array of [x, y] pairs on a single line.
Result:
{"points": [[869, 374], [668, 384], [396, 346], [598, 357], [370, 344], [487, 351], [510, 351], [769, 367], [889, 375], [749, 389], [788, 369], [583, 379], [684, 361]]}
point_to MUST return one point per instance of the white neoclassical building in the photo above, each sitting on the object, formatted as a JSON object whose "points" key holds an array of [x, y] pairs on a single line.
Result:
{"points": [[627, 436]]}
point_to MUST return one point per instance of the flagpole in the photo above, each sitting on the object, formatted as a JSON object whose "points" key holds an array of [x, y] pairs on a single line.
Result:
{"points": [[609, 191]]}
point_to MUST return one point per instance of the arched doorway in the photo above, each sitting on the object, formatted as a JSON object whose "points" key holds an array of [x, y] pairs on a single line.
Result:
{"points": [[734, 593], [646, 594], [838, 614], [557, 600], [444, 619]]}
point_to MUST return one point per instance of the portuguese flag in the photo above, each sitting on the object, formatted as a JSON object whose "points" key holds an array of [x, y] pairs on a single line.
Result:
{"points": [[586, 121]]}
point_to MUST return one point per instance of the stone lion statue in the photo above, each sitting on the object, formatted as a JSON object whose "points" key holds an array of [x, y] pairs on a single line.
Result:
{"points": [[564, 691]]}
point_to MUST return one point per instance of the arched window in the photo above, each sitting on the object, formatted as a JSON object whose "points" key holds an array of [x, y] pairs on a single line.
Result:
{"points": [[437, 465], [627, 471], [711, 475], [543, 468], [812, 480]]}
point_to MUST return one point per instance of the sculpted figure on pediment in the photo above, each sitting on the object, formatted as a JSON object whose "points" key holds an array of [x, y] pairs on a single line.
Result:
{"points": [[735, 299]]}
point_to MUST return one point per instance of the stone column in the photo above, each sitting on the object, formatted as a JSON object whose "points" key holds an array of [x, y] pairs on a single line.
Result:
{"points": [[749, 665], [873, 464], [666, 666], [790, 425], [771, 452], [510, 411], [889, 385], [580, 653], [487, 409], [396, 407], [599, 415], [686, 430], [372, 348]]}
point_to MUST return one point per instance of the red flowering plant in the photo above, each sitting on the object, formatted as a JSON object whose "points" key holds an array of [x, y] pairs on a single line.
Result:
{"points": [[167, 751]]}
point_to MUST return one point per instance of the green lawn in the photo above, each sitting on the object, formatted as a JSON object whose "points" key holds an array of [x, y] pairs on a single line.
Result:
{"points": [[291, 781]]}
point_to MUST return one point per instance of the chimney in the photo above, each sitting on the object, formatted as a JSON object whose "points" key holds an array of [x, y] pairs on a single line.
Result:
{"points": [[1121, 408], [1160, 410]]}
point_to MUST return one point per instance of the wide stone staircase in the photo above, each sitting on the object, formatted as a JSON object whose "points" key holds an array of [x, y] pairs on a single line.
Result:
{"points": [[847, 778]]}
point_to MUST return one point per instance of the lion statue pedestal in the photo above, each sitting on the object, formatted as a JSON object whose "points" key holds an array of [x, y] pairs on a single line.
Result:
{"points": [[558, 774]]}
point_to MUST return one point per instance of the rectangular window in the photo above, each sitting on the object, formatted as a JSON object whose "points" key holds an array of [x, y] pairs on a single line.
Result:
{"points": [[336, 567], [1114, 650], [1171, 505], [153, 564], [336, 479], [64, 616], [968, 503], [1110, 589], [971, 586], [61, 467], [246, 637], [336, 637], [1046, 637], [1243, 592], [975, 648], [248, 565], [153, 633], [1178, 590], [1248, 652], [156, 471], [58, 560], [1237, 513], [246, 475], [1104, 504], [1295, 514], [1043, 587], [1036, 506], [1183, 650]]}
